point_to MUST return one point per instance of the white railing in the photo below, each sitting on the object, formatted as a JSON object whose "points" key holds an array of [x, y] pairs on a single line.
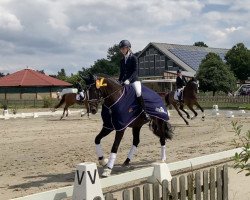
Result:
{"points": [[134, 175]]}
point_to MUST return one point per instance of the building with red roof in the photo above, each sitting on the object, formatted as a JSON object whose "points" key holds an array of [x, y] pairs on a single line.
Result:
{"points": [[30, 84]]}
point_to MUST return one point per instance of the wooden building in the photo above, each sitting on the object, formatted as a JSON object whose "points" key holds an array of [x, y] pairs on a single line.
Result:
{"points": [[29, 84], [160, 61]]}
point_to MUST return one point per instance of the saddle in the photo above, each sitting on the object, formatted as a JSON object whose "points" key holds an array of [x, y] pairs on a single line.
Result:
{"points": [[79, 98], [178, 95], [126, 109]]}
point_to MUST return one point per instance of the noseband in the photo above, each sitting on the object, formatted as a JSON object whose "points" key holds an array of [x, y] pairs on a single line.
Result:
{"points": [[100, 98]]}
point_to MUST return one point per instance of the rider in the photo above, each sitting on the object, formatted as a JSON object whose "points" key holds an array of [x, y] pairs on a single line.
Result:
{"points": [[180, 83], [129, 72], [79, 89]]}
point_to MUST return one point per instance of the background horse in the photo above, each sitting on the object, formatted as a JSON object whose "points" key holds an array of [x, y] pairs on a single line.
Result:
{"points": [[189, 99], [109, 91], [70, 99]]}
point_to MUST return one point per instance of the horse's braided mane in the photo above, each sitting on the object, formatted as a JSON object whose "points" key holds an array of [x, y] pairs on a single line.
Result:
{"points": [[108, 77]]}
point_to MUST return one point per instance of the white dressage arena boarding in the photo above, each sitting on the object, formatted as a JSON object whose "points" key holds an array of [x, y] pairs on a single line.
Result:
{"points": [[88, 185], [37, 114]]}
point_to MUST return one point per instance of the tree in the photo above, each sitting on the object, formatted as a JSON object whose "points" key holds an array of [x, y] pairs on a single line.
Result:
{"points": [[41, 71], [62, 75], [200, 44], [238, 58], [1, 74], [109, 66], [241, 160], [214, 75]]}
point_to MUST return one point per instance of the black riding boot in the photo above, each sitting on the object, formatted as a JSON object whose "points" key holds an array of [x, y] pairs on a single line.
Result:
{"points": [[142, 104]]}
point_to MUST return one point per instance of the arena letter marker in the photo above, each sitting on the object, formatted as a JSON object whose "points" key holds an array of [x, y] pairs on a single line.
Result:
{"points": [[87, 184]]}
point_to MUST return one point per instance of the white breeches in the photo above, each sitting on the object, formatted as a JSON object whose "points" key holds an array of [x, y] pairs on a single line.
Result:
{"points": [[82, 94], [137, 86], [177, 93]]}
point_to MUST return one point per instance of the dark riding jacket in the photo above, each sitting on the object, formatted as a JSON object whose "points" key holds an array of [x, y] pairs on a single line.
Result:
{"points": [[129, 71], [79, 87], [180, 82]]}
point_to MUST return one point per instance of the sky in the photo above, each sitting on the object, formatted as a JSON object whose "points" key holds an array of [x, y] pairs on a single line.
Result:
{"points": [[53, 34]]}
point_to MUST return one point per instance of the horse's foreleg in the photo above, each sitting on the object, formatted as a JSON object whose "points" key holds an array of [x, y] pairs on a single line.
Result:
{"points": [[162, 140], [177, 109], [63, 113], [67, 112], [104, 132], [182, 108], [202, 110], [192, 109], [136, 141], [112, 157]]}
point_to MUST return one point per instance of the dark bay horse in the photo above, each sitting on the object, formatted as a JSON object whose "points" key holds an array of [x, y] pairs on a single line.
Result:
{"points": [[69, 99], [189, 99], [108, 90]]}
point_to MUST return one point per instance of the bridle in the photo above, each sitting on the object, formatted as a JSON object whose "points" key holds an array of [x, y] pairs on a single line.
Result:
{"points": [[100, 98]]}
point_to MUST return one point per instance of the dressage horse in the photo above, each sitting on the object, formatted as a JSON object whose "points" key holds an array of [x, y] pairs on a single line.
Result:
{"points": [[108, 91], [70, 99], [189, 99]]}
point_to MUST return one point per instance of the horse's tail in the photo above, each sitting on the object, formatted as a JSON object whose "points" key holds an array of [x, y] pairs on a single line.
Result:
{"points": [[61, 102], [165, 128], [168, 129], [167, 99]]}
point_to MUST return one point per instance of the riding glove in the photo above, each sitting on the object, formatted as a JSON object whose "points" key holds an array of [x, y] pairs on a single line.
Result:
{"points": [[126, 82]]}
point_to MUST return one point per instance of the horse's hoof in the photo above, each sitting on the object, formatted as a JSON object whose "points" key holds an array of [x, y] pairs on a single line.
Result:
{"points": [[103, 162], [106, 172], [188, 117], [126, 164], [163, 160]]}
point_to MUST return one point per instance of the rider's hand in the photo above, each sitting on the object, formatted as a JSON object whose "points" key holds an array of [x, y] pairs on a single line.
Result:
{"points": [[126, 82]]}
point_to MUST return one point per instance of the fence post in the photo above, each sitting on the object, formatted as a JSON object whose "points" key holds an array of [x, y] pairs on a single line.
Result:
{"points": [[205, 185], [190, 186], [109, 196], [174, 190], [136, 193], [165, 190], [225, 182], [146, 192], [156, 191], [198, 185], [219, 183], [126, 195], [182, 187], [212, 184]]}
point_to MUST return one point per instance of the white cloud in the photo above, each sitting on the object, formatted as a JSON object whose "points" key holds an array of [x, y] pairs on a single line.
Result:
{"points": [[89, 27], [9, 21], [74, 34], [233, 29]]}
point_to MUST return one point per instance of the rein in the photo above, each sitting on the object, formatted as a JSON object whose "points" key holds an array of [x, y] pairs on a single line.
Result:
{"points": [[101, 98]]}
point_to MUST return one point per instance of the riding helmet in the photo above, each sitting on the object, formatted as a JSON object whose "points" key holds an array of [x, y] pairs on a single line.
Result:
{"points": [[179, 71], [124, 43]]}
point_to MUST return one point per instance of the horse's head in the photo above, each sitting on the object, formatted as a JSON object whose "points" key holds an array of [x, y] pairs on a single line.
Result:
{"points": [[93, 94], [101, 87]]}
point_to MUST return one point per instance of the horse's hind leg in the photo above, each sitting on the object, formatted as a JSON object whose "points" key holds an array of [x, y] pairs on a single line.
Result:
{"points": [[136, 141], [202, 110], [182, 109], [177, 109], [112, 157], [192, 109], [104, 132]]}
